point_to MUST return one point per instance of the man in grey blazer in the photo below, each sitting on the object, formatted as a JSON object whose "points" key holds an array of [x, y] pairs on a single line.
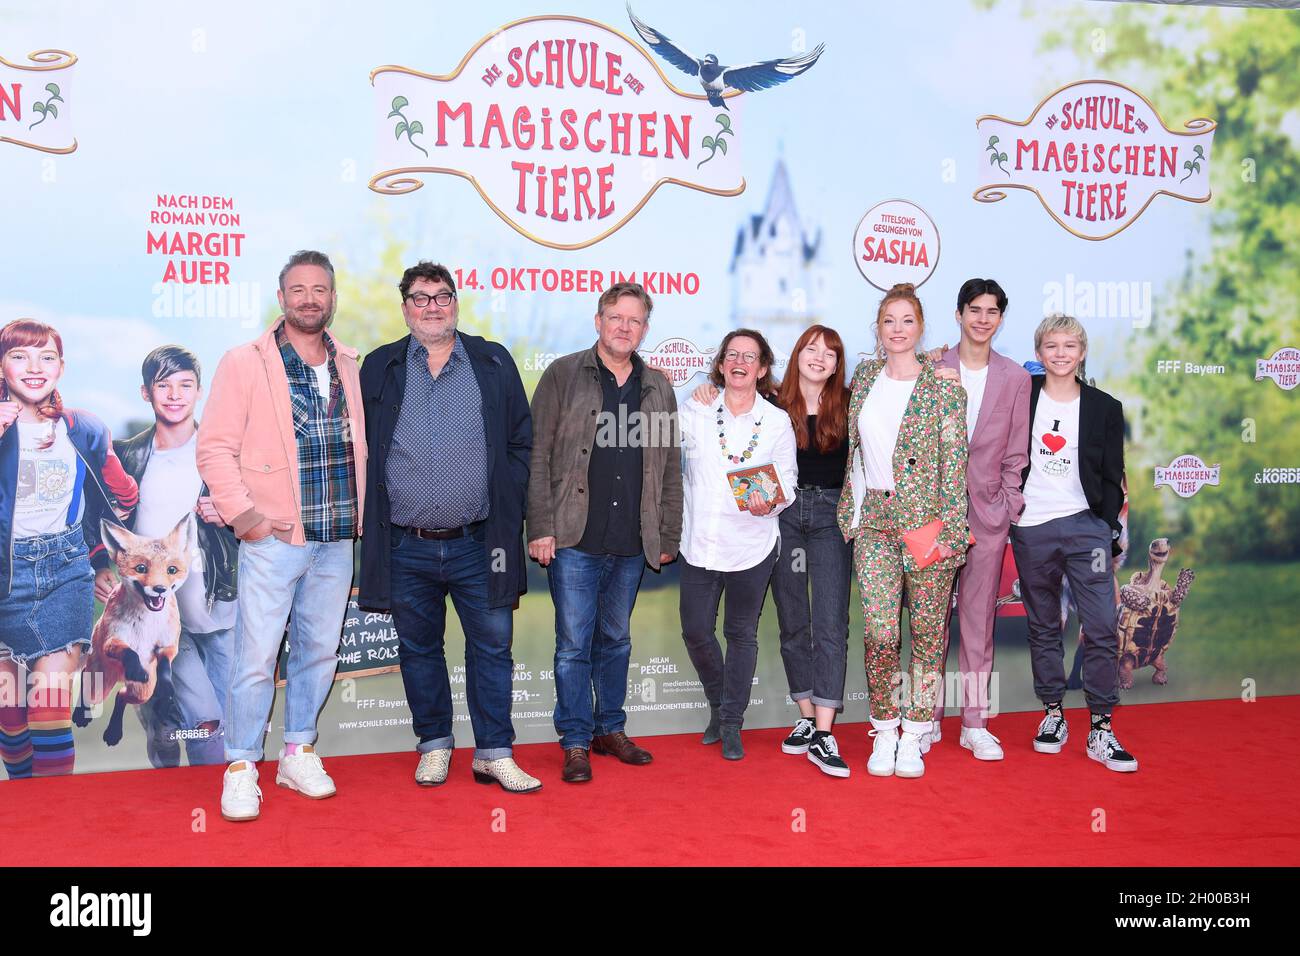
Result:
{"points": [[997, 422]]}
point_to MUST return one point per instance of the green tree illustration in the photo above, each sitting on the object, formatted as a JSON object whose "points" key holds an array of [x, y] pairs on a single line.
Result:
{"points": [[716, 144], [1236, 304], [409, 128], [370, 309], [47, 109]]}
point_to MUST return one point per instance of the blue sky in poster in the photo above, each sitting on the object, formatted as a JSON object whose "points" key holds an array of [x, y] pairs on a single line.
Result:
{"points": [[275, 109]]}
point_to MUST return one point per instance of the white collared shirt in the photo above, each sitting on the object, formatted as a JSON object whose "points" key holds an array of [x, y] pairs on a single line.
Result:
{"points": [[716, 534]]}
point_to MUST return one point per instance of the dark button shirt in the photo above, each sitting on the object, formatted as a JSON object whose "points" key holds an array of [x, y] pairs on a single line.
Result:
{"points": [[823, 469], [437, 465], [614, 475]]}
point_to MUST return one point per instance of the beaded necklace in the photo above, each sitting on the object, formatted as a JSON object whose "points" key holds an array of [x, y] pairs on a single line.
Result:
{"points": [[722, 439]]}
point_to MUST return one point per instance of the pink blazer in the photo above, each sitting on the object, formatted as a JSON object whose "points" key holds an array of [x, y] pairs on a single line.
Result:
{"points": [[998, 447], [247, 453]]}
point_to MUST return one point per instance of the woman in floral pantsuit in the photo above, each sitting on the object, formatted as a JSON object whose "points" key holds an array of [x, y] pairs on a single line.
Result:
{"points": [[907, 467]]}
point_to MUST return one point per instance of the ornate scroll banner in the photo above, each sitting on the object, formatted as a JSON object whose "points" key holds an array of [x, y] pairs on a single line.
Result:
{"points": [[1283, 367], [1096, 154], [896, 241], [1187, 475], [565, 127], [679, 358], [34, 101]]}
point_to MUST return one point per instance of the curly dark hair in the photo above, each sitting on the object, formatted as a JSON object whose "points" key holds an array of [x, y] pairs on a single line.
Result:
{"points": [[424, 269]]}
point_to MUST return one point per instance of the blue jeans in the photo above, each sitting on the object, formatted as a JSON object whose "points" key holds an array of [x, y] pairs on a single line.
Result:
{"points": [[307, 585], [423, 574], [201, 678], [814, 631], [51, 599], [593, 595]]}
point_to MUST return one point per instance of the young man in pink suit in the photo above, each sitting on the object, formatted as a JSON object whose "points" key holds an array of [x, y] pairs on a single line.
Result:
{"points": [[997, 423]]}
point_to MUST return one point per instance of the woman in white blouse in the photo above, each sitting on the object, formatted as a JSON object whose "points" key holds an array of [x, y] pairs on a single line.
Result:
{"points": [[724, 547]]}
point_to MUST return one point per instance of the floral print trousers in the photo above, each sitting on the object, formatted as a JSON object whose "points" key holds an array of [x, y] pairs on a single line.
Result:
{"points": [[878, 561]]}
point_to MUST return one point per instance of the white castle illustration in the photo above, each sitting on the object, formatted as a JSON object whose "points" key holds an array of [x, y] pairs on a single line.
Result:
{"points": [[778, 269]]}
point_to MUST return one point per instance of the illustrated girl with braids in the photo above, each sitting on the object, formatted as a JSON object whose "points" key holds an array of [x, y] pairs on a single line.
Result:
{"points": [[58, 473]]}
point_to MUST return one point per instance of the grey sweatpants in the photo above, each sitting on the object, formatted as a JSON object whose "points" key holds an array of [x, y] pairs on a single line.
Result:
{"points": [[1078, 547]]}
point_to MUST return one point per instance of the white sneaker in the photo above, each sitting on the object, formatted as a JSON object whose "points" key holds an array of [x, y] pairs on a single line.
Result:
{"points": [[433, 767], [241, 798], [305, 773], [506, 772], [883, 752], [932, 736], [908, 762], [981, 743]]}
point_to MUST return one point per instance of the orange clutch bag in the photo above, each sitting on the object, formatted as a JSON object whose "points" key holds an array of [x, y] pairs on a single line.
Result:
{"points": [[919, 540]]}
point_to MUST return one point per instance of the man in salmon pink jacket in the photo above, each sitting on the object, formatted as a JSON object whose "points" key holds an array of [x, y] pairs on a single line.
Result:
{"points": [[282, 449]]}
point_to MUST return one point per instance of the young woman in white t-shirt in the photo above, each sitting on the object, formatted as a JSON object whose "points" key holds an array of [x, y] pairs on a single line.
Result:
{"points": [[907, 469]]}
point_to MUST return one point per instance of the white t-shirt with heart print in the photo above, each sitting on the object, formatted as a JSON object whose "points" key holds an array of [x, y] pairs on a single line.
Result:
{"points": [[1053, 489]]}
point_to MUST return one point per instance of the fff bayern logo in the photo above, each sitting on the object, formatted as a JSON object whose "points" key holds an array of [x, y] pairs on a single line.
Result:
{"points": [[1187, 475], [566, 127], [1096, 154]]}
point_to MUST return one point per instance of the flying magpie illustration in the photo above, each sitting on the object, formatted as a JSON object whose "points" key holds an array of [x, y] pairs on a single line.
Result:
{"points": [[717, 79]]}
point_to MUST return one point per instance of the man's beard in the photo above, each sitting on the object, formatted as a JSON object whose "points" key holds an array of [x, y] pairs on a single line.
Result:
{"points": [[309, 323], [427, 338]]}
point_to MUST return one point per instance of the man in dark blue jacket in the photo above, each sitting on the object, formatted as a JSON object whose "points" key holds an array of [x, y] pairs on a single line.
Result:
{"points": [[450, 436]]}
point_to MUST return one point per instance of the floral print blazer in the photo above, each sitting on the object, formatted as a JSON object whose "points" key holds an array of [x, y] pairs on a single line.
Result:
{"points": [[929, 465]]}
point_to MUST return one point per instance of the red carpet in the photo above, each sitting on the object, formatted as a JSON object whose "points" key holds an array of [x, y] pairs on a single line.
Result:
{"points": [[1217, 787]]}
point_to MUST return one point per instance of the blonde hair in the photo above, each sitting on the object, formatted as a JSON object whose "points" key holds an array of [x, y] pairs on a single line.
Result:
{"points": [[1068, 324], [902, 292]]}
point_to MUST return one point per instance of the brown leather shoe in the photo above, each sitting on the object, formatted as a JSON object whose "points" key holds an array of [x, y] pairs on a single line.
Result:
{"points": [[617, 745], [577, 766]]}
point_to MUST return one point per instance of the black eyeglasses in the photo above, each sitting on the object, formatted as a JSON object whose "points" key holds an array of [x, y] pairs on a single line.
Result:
{"points": [[421, 299]]}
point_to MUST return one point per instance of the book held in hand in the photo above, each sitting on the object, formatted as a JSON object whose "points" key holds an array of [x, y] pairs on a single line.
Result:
{"points": [[757, 482]]}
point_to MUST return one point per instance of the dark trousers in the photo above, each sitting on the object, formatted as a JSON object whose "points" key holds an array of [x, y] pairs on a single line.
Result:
{"points": [[814, 630], [424, 573], [1077, 547], [727, 680]]}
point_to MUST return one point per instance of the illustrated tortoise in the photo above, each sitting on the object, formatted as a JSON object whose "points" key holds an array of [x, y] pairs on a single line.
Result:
{"points": [[1148, 616]]}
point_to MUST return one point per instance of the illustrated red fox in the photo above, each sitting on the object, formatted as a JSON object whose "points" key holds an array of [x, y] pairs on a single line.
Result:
{"points": [[136, 637]]}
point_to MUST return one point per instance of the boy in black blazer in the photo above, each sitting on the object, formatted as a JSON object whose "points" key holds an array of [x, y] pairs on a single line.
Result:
{"points": [[1073, 490]]}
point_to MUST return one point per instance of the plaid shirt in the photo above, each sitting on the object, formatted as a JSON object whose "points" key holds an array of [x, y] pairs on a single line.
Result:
{"points": [[326, 472]]}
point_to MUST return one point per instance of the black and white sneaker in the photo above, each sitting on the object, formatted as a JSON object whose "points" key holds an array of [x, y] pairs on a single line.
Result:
{"points": [[1052, 732], [800, 737], [1105, 748], [825, 753]]}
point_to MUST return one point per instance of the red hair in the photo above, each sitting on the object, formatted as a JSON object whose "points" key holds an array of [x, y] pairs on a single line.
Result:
{"points": [[25, 333], [833, 405], [901, 292]]}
